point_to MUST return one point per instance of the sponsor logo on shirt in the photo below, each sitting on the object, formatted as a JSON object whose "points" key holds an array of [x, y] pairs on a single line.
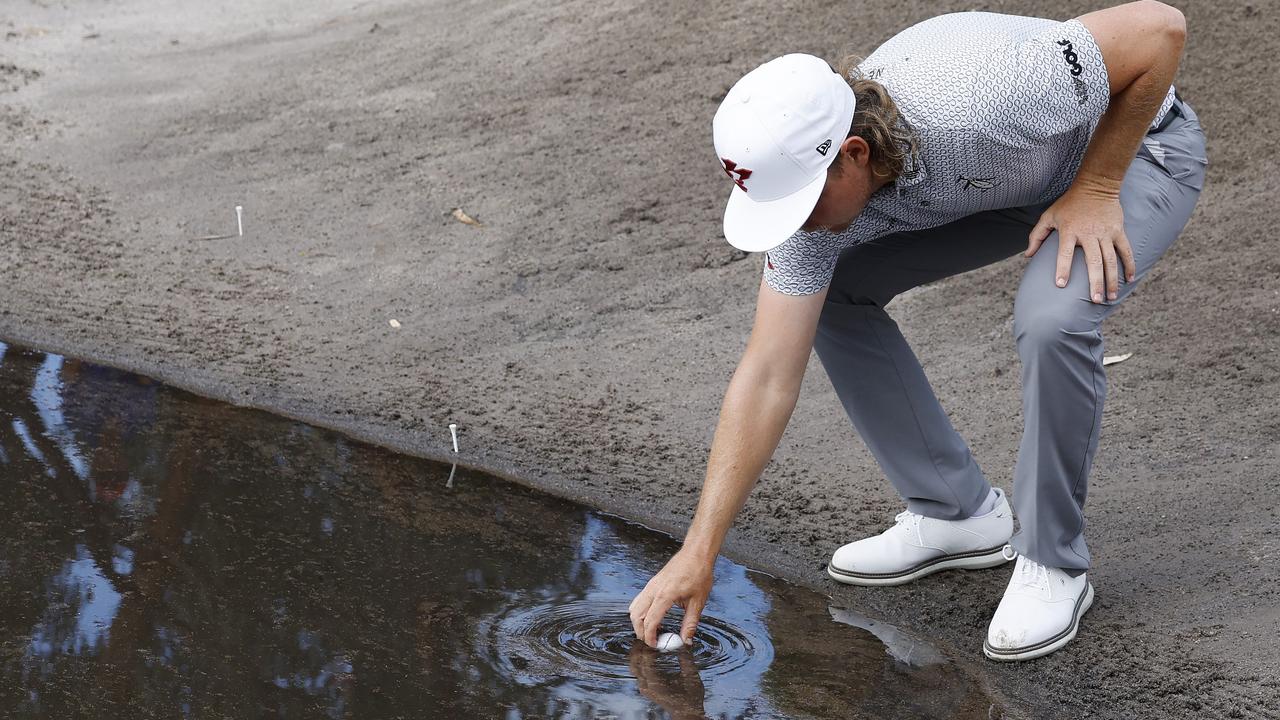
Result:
{"points": [[1082, 91], [1073, 62], [1070, 56], [981, 184]]}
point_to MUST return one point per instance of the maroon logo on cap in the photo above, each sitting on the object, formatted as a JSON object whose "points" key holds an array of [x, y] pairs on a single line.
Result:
{"points": [[731, 169]]}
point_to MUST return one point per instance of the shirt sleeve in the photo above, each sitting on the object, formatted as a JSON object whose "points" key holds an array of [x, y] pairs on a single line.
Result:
{"points": [[803, 265], [1054, 81]]}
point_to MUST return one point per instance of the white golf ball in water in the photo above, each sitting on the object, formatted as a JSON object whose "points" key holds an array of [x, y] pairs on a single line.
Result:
{"points": [[669, 642]]}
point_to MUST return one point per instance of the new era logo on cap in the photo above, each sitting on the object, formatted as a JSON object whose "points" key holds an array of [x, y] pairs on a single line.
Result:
{"points": [[781, 121]]}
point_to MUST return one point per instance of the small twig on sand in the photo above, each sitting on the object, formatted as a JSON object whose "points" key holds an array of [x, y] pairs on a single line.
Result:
{"points": [[464, 218], [1113, 359]]}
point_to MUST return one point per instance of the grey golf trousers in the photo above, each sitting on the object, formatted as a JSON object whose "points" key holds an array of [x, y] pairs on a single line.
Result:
{"points": [[1057, 331]]}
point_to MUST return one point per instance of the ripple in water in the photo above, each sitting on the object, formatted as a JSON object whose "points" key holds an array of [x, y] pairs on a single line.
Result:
{"points": [[593, 639]]}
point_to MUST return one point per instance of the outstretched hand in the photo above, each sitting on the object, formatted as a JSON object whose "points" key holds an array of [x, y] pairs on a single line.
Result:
{"points": [[685, 581], [1093, 220]]}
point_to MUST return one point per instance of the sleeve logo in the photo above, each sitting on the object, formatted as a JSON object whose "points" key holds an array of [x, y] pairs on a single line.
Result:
{"points": [[1072, 59]]}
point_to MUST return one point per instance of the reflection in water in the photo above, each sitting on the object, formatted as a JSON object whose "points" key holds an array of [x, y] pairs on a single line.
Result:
{"points": [[161, 554], [903, 647], [81, 603], [20, 429], [583, 642], [46, 395]]}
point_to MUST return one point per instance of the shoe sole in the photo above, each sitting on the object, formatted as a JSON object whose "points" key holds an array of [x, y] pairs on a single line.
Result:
{"points": [[974, 560], [1040, 649]]}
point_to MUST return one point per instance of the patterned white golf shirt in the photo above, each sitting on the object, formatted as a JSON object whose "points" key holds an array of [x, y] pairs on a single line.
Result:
{"points": [[1002, 107]]}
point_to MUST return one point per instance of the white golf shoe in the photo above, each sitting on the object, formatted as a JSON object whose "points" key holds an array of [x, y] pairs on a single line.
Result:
{"points": [[1040, 612], [917, 546]]}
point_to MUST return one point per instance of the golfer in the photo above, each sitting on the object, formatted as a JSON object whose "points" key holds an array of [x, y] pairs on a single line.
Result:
{"points": [[959, 142]]}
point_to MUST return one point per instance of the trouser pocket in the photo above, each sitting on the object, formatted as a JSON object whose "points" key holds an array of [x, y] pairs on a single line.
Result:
{"points": [[1178, 150]]}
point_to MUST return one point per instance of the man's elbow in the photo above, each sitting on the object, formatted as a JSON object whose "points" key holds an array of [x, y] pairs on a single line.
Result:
{"points": [[1168, 20], [1137, 38]]}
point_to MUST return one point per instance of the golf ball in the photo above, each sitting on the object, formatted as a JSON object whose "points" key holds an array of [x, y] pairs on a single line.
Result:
{"points": [[669, 642]]}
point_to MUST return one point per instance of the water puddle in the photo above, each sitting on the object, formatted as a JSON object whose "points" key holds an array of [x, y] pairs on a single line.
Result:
{"points": [[166, 555]]}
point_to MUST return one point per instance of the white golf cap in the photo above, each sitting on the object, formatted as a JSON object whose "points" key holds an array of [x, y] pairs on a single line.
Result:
{"points": [[776, 133]]}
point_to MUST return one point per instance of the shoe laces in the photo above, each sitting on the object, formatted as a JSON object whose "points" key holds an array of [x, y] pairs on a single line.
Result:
{"points": [[1032, 574], [910, 522]]}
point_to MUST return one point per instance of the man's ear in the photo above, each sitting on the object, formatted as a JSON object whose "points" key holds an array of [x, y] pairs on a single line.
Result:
{"points": [[857, 149]]}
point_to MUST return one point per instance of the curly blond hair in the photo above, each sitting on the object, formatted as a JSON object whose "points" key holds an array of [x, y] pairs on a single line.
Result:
{"points": [[877, 120]]}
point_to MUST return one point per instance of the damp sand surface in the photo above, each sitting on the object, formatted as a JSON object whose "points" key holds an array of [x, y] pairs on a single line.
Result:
{"points": [[166, 555]]}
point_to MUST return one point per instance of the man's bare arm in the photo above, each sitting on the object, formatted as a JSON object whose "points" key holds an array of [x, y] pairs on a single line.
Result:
{"points": [[757, 406], [1141, 44]]}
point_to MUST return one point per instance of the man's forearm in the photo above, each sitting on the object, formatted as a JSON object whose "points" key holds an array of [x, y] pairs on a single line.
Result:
{"points": [[752, 419], [1131, 111], [1119, 132]]}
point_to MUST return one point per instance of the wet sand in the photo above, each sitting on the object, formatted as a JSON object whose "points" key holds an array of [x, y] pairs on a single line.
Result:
{"points": [[583, 335]]}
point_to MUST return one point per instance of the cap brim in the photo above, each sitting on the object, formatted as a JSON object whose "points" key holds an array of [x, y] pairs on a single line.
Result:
{"points": [[758, 226]]}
